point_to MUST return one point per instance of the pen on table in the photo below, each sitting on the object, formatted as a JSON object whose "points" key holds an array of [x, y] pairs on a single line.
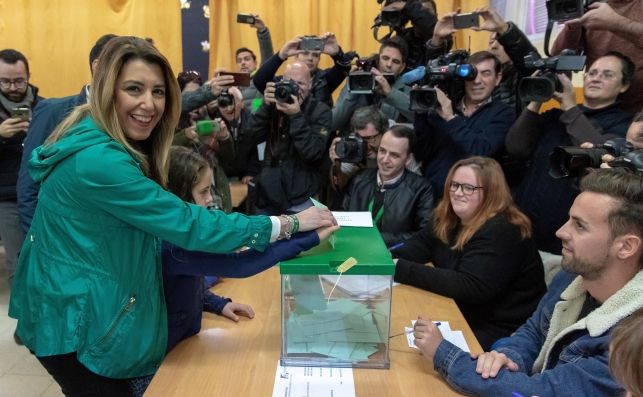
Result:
{"points": [[396, 246], [515, 394], [437, 324]]}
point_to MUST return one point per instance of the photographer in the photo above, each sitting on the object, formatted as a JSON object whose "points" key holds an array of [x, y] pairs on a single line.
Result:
{"points": [[247, 60], [400, 201], [423, 16], [244, 163], [615, 25], [391, 99], [295, 127], [475, 124], [367, 126], [533, 136], [17, 99], [324, 82]]}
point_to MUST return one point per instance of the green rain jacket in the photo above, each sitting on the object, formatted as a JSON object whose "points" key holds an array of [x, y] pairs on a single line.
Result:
{"points": [[89, 276]]}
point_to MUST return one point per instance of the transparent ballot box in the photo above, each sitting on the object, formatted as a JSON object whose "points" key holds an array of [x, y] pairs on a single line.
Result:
{"points": [[335, 319]]}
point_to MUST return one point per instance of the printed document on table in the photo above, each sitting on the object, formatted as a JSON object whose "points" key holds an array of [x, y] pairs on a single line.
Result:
{"points": [[354, 218], [313, 382]]}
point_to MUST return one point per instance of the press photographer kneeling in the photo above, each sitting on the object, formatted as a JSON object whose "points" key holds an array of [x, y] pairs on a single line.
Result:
{"points": [[357, 150]]}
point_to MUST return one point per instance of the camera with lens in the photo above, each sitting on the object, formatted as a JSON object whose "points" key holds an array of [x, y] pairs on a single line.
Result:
{"points": [[445, 68], [389, 16], [284, 89], [569, 161], [541, 87], [225, 99], [352, 149], [361, 80], [564, 10]]}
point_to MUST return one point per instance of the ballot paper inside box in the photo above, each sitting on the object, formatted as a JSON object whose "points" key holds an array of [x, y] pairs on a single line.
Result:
{"points": [[338, 319]]}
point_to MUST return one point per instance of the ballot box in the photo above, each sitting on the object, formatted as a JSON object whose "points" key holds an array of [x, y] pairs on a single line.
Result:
{"points": [[338, 319]]}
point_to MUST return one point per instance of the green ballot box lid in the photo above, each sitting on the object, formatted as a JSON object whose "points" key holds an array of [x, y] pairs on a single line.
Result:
{"points": [[365, 244]]}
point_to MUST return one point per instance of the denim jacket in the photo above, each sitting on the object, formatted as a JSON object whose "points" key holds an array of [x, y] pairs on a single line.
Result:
{"points": [[580, 369]]}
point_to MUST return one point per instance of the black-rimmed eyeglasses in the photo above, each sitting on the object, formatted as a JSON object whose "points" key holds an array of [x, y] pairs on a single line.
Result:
{"points": [[467, 189], [18, 83]]}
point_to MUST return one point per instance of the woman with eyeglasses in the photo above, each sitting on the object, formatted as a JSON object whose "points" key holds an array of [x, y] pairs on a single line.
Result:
{"points": [[479, 252]]}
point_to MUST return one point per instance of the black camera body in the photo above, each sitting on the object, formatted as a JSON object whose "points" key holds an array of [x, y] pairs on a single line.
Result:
{"points": [[392, 18], [362, 81], [569, 161], [352, 149], [284, 89], [541, 88], [225, 99], [445, 68], [564, 10]]}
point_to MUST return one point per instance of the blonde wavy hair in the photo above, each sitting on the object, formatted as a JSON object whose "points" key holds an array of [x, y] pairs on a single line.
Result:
{"points": [[152, 153], [496, 199]]}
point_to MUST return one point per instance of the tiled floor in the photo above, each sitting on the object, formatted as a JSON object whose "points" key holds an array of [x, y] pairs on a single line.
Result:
{"points": [[20, 373]]}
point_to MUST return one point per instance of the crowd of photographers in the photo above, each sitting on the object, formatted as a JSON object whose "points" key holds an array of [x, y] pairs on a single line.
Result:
{"points": [[458, 105], [403, 118]]}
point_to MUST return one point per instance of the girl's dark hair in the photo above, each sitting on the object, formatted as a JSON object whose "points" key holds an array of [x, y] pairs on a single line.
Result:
{"points": [[185, 168]]}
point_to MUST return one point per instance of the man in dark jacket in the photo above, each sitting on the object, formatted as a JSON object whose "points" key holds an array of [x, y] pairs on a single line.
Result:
{"points": [[244, 163], [474, 125], [17, 98], [296, 133], [399, 200], [533, 136]]}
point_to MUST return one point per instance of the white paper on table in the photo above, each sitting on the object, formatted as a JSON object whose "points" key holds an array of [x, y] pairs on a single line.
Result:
{"points": [[354, 218], [313, 382], [455, 337]]}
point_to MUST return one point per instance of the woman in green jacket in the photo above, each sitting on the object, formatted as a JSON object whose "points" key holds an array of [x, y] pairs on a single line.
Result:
{"points": [[88, 292]]}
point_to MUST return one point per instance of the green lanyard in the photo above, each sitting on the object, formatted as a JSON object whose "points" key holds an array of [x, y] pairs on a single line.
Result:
{"points": [[379, 214]]}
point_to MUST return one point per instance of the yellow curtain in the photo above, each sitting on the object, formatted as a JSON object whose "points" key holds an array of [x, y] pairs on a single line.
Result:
{"points": [[350, 20], [57, 35]]}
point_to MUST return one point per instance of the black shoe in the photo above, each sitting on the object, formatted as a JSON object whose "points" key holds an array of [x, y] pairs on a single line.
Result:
{"points": [[17, 339]]}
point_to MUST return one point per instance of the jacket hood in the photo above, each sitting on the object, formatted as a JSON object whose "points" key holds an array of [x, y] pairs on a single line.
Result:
{"points": [[82, 135]]}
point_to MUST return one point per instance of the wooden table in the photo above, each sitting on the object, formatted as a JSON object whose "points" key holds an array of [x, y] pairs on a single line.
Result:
{"points": [[240, 359]]}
